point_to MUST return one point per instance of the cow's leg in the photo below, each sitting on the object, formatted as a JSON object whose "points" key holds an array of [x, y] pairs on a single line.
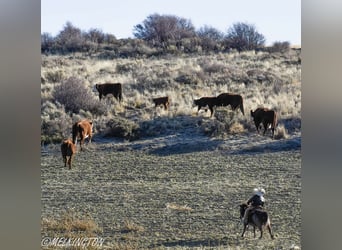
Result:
{"points": [[65, 160], [81, 142], [265, 127], [211, 110], [69, 161]]}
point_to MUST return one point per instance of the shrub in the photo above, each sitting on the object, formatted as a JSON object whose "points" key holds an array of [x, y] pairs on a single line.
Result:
{"points": [[225, 122], [55, 123], [54, 76], [73, 94], [280, 47], [122, 128]]}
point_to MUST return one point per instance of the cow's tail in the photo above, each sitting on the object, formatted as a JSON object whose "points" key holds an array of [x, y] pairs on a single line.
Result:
{"points": [[241, 106], [275, 120]]}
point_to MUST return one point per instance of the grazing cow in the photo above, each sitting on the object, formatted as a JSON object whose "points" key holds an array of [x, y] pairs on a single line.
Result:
{"points": [[68, 149], [235, 101], [81, 130], [257, 218], [206, 101], [165, 101], [266, 117], [110, 88]]}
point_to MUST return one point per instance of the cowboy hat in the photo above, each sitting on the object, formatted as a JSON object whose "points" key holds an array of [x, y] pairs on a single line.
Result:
{"points": [[259, 191]]}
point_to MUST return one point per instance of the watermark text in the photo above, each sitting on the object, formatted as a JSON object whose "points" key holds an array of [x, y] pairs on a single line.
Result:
{"points": [[72, 242]]}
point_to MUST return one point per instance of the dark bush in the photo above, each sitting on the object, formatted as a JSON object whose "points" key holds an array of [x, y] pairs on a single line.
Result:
{"points": [[279, 47], [122, 128], [244, 36]]}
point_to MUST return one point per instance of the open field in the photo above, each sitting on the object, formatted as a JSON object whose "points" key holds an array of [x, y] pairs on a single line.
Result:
{"points": [[156, 179], [175, 191]]}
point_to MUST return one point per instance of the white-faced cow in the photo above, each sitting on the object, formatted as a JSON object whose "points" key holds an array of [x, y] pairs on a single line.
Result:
{"points": [[68, 149], [165, 101], [110, 88], [82, 130], [265, 116]]}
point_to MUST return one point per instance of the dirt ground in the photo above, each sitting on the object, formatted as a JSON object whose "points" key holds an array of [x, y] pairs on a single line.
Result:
{"points": [[178, 191]]}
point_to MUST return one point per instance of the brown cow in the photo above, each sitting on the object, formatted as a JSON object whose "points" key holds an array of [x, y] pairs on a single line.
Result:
{"points": [[206, 101], [235, 101], [257, 218], [110, 88], [165, 101], [68, 149], [81, 130], [266, 117]]}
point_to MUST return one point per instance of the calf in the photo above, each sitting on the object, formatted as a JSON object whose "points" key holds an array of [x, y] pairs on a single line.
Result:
{"points": [[165, 101], [82, 130], [68, 149]]}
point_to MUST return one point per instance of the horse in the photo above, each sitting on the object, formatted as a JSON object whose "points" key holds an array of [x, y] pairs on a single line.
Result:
{"points": [[257, 218]]}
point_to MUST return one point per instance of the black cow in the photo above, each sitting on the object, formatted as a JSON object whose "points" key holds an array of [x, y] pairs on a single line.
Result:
{"points": [[235, 101], [165, 101], [266, 117], [206, 101], [110, 88]]}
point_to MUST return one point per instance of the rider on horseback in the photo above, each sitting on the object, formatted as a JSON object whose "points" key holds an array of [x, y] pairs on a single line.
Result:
{"points": [[256, 201]]}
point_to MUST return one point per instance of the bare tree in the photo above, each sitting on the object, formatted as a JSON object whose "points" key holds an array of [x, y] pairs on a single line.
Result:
{"points": [[47, 41], [95, 36], [162, 30], [210, 38], [244, 36], [70, 39]]}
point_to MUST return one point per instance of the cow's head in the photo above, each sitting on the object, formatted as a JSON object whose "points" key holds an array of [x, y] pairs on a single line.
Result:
{"points": [[96, 87]]}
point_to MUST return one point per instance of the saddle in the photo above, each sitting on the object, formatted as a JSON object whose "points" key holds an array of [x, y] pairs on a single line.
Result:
{"points": [[255, 209]]}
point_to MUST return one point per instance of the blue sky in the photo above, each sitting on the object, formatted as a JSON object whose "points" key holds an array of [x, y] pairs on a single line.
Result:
{"points": [[276, 20]]}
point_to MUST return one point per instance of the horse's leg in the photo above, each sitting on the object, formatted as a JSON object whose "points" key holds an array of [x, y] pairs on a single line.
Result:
{"points": [[244, 229], [270, 231], [254, 231], [260, 228]]}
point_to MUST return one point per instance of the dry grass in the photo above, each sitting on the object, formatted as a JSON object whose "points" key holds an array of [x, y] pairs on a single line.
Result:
{"points": [[69, 224], [262, 79], [179, 208], [178, 184]]}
